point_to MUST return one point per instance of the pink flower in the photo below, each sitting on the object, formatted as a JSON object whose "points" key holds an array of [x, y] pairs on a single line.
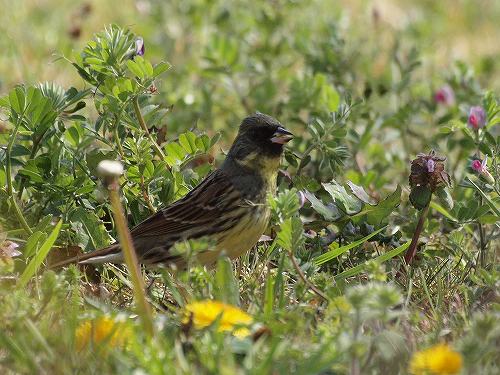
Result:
{"points": [[481, 168], [477, 165], [445, 95], [477, 117]]}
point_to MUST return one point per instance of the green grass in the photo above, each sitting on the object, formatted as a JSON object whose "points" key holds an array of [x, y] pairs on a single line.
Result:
{"points": [[330, 292]]}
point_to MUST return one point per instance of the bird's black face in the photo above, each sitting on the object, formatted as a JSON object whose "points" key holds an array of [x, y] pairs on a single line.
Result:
{"points": [[263, 134]]}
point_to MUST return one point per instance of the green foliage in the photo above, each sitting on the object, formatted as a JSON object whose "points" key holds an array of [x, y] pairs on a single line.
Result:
{"points": [[360, 99]]}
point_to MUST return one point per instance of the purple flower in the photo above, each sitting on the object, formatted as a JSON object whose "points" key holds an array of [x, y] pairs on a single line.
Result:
{"points": [[445, 95], [477, 117], [139, 47], [431, 165], [9, 249]]}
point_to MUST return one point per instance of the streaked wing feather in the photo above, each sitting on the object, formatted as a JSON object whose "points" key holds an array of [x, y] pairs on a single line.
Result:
{"points": [[203, 205]]}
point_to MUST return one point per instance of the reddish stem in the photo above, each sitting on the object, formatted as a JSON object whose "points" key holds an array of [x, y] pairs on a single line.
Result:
{"points": [[412, 249]]}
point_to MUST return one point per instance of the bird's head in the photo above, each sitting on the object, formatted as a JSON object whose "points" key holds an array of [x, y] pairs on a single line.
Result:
{"points": [[260, 135]]}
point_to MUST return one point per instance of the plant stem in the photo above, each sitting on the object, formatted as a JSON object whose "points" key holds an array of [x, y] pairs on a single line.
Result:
{"points": [[412, 249], [144, 127], [482, 243], [34, 150], [304, 155], [10, 189], [130, 256], [310, 285]]}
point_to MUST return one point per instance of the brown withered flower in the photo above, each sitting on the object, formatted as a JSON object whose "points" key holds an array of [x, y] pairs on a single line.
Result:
{"points": [[428, 170], [427, 176]]}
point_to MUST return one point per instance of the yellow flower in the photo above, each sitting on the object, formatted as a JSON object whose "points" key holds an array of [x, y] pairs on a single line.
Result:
{"points": [[101, 331], [438, 359], [204, 313]]}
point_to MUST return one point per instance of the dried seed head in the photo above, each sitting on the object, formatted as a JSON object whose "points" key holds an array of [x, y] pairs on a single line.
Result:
{"points": [[427, 176], [427, 170]]}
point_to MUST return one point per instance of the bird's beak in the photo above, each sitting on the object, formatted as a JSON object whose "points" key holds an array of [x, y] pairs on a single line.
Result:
{"points": [[281, 136]]}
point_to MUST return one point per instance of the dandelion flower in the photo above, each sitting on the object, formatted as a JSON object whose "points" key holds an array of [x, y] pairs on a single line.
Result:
{"points": [[436, 360], [101, 331], [204, 313]]}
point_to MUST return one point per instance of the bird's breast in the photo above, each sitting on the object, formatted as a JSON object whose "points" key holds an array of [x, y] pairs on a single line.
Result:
{"points": [[245, 234]]}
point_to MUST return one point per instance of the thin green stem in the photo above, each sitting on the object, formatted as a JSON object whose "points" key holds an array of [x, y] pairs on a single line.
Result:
{"points": [[34, 150], [10, 188], [131, 261], [303, 277], [304, 155], [117, 138], [144, 127]]}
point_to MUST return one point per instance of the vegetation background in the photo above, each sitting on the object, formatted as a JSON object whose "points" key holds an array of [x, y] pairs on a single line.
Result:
{"points": [[365, 86]]}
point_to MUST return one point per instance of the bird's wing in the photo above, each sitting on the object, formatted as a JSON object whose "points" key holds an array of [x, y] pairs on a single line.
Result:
{"points": [[203, 207], [211, 207]]}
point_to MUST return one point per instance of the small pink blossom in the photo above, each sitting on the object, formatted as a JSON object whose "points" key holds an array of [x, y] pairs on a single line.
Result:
{"points": [[477, 165], [445, 95], [477, 117], [481, 168]]}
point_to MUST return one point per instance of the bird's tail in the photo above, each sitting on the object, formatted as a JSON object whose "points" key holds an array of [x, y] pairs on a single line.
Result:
{"points": [[110, 254]]}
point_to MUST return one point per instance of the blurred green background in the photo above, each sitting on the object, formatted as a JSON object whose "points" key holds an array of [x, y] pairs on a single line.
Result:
{"points": [[34, 32]]}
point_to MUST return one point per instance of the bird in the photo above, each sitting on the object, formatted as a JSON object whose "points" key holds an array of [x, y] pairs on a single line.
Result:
{"points": [[229, 207]]}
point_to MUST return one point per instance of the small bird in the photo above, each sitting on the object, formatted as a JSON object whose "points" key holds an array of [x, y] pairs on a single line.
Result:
{"points": [[228, 207]]}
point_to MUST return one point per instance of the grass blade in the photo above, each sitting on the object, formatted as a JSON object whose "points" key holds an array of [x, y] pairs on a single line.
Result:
{"points": [[332, 254], [40, 256], [380, 259]]}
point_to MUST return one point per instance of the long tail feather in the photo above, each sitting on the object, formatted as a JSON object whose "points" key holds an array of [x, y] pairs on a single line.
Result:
{"points": [[111, 254]]}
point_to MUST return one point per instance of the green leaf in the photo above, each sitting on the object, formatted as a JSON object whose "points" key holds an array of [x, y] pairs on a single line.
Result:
{"points": [[135, 69], [161, 68], [420, 197], [31, 243], [91, 232], [188, 142], [226, 286], [290, 236], [443, 211], [360, 193], [345, 201], [382, 210], [330, 213], [332, 254], [490, 203], [489, 219], [445, 198], [40, 256]]}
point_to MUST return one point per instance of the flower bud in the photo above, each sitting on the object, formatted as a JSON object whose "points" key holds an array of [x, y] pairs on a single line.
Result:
{"points": [[427, 176], [481, 168], [477, 117], [445, 96], [139, 47]]}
